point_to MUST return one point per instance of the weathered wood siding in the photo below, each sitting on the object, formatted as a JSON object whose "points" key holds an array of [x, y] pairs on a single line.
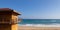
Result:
{"points": [[15, 19], [14, 27], [9, 18], [5, 27]]}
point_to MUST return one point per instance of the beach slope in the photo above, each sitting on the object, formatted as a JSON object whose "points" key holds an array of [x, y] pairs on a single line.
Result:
{"points": [[37, 28]]}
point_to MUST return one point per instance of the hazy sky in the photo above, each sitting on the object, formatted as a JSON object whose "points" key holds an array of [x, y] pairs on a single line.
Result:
{"points": [[35, 9]]}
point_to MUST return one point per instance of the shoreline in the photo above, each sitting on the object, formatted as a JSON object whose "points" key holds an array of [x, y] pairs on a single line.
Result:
{"points": [[37, 28], [39, 25]]}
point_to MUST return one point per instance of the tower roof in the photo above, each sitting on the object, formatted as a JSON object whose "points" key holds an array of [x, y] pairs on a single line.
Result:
{"points": [[8, 10], [5, 9]]}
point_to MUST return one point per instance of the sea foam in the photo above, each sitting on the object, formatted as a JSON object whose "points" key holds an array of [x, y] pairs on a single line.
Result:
{"points": [[40, 25]]}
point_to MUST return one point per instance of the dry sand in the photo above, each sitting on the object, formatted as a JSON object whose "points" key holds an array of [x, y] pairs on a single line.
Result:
{"points": [[38, 28]]}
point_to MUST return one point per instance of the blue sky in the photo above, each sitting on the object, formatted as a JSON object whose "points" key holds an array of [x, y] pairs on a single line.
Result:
{"points": [[34, 9]]}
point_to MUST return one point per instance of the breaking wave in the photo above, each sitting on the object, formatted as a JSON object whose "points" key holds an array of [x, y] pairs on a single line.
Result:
{"points": [[41, 25]]}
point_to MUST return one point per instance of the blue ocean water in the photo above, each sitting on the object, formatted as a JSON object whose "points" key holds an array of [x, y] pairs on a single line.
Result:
{"points": [[40, 22]]}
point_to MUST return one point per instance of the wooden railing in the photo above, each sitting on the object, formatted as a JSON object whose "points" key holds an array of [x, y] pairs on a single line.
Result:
{"points": [[2, 21], [9, 22]]}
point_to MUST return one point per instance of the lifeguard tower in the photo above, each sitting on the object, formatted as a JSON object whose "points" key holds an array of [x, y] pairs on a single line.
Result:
{"points": [[8, 19]]}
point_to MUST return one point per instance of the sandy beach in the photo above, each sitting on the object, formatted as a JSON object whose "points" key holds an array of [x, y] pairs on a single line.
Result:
{"points": [[37, 28]]}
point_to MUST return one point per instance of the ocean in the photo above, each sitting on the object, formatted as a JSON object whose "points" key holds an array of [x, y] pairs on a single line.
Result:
{"points": [[40, 22]]}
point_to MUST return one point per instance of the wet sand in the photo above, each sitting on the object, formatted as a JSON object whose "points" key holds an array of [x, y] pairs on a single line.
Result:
{"points": [[37, 28]]}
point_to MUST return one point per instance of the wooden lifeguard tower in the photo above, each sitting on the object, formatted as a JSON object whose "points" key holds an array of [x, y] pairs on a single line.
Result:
{"points": [[8, 19]]}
